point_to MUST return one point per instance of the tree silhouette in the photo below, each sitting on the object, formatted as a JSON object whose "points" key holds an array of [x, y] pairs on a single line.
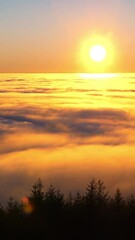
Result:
{"points": [[36, 197], [101, 194], [13, 207], [131, 202], [94, 215], [78, 199], [91, 192], [70, 200], [37, 194], [54, 198], [118, 200]]}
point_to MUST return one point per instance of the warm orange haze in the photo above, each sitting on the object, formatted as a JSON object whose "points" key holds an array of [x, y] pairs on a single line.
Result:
{"points": [[56, 35], [67, 94], [66, 128]]}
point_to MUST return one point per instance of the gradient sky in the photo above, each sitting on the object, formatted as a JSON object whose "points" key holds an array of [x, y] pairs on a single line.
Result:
{"points": [[46, 35]]}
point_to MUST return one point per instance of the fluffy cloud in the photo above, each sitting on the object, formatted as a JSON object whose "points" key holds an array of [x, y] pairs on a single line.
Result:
{"points": [[64, 134]]}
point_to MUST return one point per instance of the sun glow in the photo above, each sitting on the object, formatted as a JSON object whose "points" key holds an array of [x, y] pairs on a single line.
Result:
{"points": [[98, 53]]}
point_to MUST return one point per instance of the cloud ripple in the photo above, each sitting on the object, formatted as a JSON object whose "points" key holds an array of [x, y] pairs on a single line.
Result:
{"points": [[92, 126]]}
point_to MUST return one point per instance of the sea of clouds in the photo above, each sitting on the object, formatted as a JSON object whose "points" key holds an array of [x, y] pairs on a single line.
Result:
{"points": [[66, 129]]}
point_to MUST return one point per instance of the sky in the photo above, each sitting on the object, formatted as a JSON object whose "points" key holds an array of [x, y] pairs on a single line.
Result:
{"points": [[50, 35]]}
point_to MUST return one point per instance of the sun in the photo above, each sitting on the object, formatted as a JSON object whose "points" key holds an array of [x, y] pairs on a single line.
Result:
{"points": [[98, 53]]}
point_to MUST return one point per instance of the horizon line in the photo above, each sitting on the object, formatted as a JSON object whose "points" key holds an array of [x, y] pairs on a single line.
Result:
{"points": [[67, 73]]}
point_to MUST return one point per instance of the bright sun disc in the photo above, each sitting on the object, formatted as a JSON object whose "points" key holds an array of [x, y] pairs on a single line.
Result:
{"points": [[98, 53]]}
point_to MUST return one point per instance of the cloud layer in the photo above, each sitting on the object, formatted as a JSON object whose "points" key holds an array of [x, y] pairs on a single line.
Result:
{"points": [[66, 131]]}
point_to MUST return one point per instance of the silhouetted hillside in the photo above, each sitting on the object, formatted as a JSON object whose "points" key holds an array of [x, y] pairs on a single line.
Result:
{"points": [[49, 215]]}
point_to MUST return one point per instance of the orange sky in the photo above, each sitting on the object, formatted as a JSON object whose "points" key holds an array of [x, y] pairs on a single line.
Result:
{"points": [[47, 36]]}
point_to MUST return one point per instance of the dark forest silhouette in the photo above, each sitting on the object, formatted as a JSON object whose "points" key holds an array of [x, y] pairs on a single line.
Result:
{"points": [[50, 215]]}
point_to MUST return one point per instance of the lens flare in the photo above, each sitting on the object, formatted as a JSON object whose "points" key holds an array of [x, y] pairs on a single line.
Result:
{"points": [[27, 206]]}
